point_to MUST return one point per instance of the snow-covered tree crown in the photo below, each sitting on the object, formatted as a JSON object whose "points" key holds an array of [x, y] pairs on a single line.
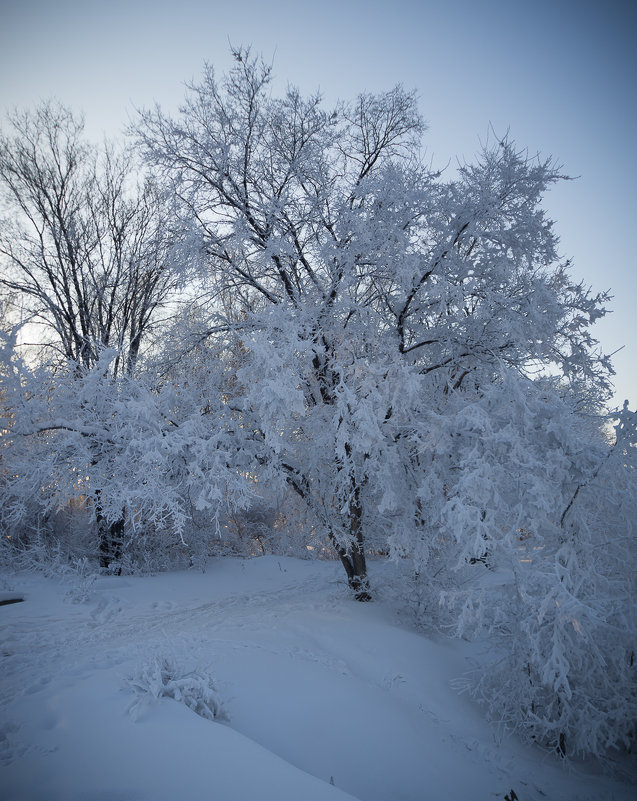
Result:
{"points": [[332, 215]]}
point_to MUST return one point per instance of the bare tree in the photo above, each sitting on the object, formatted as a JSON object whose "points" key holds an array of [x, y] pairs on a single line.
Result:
{"points": [[86, 243]]}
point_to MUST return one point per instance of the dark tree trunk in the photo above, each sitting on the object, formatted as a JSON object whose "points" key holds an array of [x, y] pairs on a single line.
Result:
{"points": [[353, 559], [111, 536]]}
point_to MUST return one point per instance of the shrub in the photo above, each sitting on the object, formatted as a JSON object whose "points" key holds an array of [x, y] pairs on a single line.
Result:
{"points": [[165, 678]]}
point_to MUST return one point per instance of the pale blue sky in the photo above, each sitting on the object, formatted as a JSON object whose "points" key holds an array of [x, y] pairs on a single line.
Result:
{"points": [[560, 74]]}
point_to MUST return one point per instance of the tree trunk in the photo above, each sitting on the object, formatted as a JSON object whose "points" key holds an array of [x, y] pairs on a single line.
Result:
{"points": [[110, 542], [111, 536], [353, 558]]}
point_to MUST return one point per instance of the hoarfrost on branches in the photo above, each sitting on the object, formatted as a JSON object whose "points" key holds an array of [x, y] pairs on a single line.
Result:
{"points": [[398, 359]]}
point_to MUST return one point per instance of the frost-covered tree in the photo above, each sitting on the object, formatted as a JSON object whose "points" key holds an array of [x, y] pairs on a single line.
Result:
{"points": [[415, 362], [366, 290], [138, 455]]}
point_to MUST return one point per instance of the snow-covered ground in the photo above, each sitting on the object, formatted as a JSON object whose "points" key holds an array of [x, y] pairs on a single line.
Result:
{"points": [[325, 698]]}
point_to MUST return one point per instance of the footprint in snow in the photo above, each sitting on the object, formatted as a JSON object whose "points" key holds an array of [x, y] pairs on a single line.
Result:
{"points": [[106, 609], [163, 606]]}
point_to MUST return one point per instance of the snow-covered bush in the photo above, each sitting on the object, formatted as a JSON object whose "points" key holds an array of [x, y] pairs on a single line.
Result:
{"points": [[42, 552], [167, 678], [552, 508]]}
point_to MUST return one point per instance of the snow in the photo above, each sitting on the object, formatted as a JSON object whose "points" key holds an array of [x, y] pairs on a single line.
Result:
{"points": [[326, 698]]}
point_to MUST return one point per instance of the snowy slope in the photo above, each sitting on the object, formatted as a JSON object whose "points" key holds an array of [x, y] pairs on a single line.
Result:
{"points": [[326, 699]]}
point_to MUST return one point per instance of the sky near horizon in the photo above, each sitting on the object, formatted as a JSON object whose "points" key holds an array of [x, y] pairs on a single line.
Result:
{"points": [[560, 75]]}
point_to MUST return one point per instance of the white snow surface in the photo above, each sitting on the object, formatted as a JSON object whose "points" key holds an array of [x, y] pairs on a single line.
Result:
{"points": [[326, 698]]}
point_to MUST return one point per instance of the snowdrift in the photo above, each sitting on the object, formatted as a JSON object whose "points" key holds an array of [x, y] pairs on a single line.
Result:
{"points": [[325, 699]]}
